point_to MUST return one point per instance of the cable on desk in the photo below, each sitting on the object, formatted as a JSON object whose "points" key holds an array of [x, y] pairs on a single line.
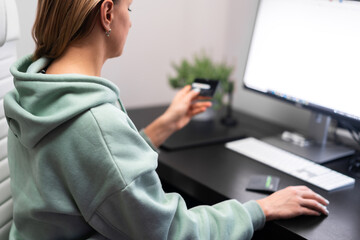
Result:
{"points": [[354, 131], [354, 165], [354, 161]]}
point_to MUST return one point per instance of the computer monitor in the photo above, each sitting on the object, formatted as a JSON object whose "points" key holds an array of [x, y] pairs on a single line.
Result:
{"points": [[307, 52]]}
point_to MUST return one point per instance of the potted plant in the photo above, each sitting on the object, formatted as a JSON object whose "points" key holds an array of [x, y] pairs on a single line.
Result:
{"points": [[202, 66]]}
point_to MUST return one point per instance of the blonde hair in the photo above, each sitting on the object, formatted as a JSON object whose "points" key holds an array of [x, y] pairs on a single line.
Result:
{"points": [[59, 22]]}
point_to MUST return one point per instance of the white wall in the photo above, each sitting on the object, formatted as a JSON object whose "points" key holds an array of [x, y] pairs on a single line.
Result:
{"points": [[164, 31], [27, 10]]}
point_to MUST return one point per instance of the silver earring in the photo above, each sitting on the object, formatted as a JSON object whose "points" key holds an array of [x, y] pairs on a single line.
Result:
{"points": [[107, 33]]}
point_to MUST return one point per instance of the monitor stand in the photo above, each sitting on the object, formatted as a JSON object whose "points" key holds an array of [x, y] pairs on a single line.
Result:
{"points": [[315, 146]]}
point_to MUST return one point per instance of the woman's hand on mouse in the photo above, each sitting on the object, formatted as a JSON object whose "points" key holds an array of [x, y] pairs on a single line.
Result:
{"points": [[293, 201]]}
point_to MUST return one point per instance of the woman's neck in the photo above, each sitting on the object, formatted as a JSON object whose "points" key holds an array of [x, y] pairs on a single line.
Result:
{"points": [[86, 59]]}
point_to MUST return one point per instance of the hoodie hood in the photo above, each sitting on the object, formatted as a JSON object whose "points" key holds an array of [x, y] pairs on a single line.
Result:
{"points": [[42, 102]]}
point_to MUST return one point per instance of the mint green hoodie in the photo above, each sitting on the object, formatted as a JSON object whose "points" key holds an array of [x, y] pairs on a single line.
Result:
{"points": [[80, 169]]}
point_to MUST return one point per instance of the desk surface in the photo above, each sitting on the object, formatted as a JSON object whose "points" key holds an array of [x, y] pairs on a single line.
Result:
{"points": [[213, 173]]}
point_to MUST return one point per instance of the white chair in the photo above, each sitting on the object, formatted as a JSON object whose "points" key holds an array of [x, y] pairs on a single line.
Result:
{"points": [[9, 33]]}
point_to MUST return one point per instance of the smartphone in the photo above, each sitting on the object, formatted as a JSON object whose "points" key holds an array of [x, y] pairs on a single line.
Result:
{"points": [[206, 87]]}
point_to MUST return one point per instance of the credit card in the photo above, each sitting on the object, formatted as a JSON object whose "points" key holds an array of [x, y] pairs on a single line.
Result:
{"points": [[206, 87]]}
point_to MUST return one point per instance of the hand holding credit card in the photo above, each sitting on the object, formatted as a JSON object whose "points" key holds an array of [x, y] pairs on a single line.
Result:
{"points": [[206, 87]]}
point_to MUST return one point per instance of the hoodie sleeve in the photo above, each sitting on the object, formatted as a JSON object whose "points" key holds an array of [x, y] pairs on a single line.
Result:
{"points": [[141, 209], [147, 139]]}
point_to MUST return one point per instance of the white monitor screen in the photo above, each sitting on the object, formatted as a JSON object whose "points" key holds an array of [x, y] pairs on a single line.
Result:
{"points": [[308, 52]]}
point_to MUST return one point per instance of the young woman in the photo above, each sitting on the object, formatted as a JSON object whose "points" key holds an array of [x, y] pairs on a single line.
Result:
{"points": [[79, 167]]}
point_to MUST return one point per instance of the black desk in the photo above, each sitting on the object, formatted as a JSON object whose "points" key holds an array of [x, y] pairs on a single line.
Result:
{"points": [[213, 173]]}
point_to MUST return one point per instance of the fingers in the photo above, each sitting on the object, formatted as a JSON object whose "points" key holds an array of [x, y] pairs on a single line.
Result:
{"points": [[309, 194], [193, 112], [317, 197], [182, 100], [201, 104], [199, 107], [310, 212], [194, 94], [311, 205], [306, 192], [185, 91], [186, 95], [191, 94]]}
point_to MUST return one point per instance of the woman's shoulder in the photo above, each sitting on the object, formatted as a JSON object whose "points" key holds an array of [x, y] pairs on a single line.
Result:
{"points": [[112, 117]]}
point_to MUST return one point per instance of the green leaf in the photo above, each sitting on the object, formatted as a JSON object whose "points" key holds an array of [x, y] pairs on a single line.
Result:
{"points": [[202, 66]]}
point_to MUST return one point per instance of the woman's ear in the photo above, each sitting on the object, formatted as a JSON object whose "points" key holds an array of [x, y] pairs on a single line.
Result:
{"points": [[106, 14]]}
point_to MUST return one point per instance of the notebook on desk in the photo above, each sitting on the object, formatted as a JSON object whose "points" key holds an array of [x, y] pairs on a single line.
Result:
{"points": [[200, 133]]}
